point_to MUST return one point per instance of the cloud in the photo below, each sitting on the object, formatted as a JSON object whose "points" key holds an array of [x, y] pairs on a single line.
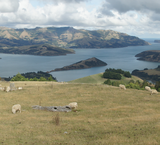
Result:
{"points": [[62, 1], [123, 6], [128, 16], [7, 6]]}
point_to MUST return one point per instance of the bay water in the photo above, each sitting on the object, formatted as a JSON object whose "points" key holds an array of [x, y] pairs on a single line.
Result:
{"points": [[123, 58]]}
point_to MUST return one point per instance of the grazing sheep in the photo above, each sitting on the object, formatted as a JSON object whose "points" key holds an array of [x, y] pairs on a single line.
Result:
{"points": [[19, 88], [16, 108], [122, 87], [153, 91], [7, 89], [73, 105], [2, 88], [147, 88]]}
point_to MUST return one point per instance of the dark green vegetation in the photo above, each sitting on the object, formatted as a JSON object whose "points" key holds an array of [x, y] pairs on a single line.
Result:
{"points": [[67, 37], [41, 49], [150, 55], [115, 74], [32, 76], [148, 74], [88, 63]]}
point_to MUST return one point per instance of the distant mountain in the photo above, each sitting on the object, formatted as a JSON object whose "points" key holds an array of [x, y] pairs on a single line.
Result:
{"points": [[157, 41], [67, 37], [41, 49], [150, 55], [83, 64]]}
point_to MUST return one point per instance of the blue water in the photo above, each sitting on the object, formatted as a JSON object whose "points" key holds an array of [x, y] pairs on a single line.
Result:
{"points": [[123, 58]]}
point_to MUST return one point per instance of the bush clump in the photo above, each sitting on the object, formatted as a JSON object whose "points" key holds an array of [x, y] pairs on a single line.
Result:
{"points": [[19, 77], [115, 74]]}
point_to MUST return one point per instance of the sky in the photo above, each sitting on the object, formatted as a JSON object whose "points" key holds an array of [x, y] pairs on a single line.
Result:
{"points": [[139, 18]]}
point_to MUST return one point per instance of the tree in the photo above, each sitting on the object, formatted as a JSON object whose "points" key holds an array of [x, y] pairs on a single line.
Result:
{"points": [[50, 78], [42, 79], [108, 81], [19, 77], [127, 74]]}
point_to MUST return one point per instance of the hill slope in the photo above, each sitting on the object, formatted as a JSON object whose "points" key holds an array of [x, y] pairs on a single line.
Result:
{"points": [[105, 115], [97, 79], [41, 49], [67, 37]]}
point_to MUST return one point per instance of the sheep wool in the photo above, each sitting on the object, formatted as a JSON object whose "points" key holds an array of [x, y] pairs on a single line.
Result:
{"points": [[147, 88], [153, 91], [122, 87], [73, 105], [16, 108]]}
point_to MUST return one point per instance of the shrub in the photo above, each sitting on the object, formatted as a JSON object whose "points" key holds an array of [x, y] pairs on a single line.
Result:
{"points": [[50, 79], [157, 86], [133, 86], [127, 74], [145, 83], [108, 82], [111, 75], [115, 83], [131, 81], [42, 79], [19, 77]]}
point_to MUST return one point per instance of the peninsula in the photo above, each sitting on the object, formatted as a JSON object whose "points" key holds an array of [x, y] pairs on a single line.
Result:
{"points": [[83, 64], [148, 74], [150, 55]]}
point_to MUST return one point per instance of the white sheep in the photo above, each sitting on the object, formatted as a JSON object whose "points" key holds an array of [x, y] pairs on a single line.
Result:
{"points": [[122, 87], [7, 89], [153, 91], [2, 88], [147, 88], [19, 88], [16, 108], [73, 105]]}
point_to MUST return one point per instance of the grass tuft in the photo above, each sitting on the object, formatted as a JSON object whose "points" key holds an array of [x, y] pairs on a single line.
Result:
{"points": [[57, 119]]}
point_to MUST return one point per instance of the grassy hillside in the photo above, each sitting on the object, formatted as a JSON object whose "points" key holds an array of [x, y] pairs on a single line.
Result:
{"points": [[97, 79], [105, 115]]}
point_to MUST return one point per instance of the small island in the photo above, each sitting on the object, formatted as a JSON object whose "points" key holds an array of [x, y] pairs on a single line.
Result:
{"points": [[150, 55], [83, 64]]}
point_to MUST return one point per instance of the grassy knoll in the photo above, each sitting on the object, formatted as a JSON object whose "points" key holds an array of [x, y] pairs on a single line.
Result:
{"points": [[97, 79], [105, 115]]}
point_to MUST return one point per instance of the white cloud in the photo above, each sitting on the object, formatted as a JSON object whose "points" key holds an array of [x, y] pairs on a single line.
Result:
{"points": [[123, 6], [138, 17], [9, 6]]}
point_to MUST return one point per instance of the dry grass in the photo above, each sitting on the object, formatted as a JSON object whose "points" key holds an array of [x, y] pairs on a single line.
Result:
{"points": [[97, 79], [151, 72], [105, 115]]}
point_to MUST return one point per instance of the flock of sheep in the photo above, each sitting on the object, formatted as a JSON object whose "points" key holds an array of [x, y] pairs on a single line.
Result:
{"points": [[152, 91], [72, 105], [10, 88]]}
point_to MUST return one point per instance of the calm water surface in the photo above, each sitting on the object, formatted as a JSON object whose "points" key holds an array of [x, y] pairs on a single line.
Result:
{"points": [[123, 58]]}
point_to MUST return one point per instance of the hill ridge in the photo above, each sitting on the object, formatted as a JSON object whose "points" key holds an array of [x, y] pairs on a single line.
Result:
{"points": [[68, 37]]}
